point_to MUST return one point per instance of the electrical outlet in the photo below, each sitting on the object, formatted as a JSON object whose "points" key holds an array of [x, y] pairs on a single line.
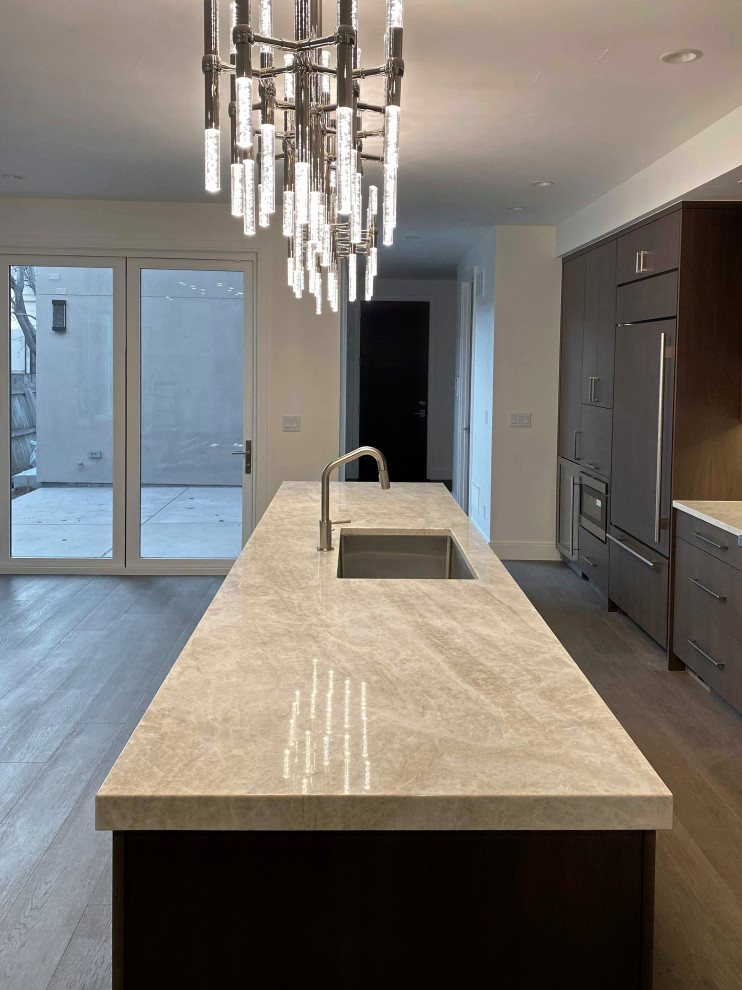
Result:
{"points": [[292, 424], [520, 419]]}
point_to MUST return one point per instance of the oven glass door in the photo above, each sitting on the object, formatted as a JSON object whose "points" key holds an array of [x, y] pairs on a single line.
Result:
{"points": [[593, 509]]}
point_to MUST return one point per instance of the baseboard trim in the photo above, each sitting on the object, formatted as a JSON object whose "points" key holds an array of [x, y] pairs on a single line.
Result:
{"points": [[526, 550]]}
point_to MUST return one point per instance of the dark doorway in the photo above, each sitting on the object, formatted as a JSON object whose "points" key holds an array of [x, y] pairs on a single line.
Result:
{"points": [[393, 402]]}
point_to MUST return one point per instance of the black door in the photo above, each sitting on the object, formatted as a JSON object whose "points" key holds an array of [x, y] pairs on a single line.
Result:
{"points": [[393, 413]]}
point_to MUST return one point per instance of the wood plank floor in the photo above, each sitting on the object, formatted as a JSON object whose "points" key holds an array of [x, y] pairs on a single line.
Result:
{"points": [[694, 741], [80, 660], [81, 657]]}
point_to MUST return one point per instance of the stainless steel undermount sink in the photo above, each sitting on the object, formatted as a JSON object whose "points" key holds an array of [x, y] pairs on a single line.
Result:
{"points": [[412, 555]]}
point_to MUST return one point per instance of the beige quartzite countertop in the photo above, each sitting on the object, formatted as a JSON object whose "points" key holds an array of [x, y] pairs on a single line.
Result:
{"points": [[726, 515], [304, 701]]}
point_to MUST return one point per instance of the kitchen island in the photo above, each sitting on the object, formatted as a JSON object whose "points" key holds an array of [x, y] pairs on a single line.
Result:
{"points": [[378, 782]]}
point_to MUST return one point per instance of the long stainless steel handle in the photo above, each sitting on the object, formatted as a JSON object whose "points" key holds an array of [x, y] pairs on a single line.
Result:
{"points": [[590, 561], [575, 483], [694, 644], [633, 553], [578, 433], [592, 389], [720, 598], [719, 546], [660, 431], [640, 256], [590, 464]]}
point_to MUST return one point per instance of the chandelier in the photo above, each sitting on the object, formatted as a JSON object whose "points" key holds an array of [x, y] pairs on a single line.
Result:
{"points": [[322, 144]]}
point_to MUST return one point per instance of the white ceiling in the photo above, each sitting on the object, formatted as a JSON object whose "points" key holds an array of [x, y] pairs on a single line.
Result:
{"points": [[105, 101]]}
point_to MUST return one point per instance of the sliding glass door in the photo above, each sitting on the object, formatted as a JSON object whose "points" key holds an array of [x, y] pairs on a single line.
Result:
{"points": [[126, 442], [190, 411], [62, 443]]}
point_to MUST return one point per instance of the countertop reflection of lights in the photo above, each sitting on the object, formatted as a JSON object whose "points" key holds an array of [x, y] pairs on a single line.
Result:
{"points": [[681, 56], [543, 183]]}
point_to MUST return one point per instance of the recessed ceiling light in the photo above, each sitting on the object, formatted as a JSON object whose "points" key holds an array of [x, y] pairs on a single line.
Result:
{"points": [[181, 283], [680, 56], [10, 175], [516, 209], [543, 183]]}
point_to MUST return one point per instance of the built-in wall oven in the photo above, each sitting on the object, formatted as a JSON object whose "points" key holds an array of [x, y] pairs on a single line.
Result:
{"points": [[594, 506]]}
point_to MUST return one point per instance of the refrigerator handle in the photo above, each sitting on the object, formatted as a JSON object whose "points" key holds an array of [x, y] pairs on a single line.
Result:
{"points": [[660, 431]]}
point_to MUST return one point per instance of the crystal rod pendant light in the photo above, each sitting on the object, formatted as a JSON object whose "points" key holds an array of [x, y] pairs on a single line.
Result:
{"points": [[322, 133]]}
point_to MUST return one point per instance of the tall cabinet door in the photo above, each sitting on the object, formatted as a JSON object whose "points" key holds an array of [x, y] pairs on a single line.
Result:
{"points": [[642, 431], [599, 326], [568, 508], [570, 356]]}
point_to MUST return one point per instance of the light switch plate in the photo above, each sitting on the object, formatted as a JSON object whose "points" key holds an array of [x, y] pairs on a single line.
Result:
{"points": [[292, 424], [520, 419]]}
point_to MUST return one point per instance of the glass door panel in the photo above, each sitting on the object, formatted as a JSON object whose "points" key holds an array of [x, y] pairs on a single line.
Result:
{"points": [[61, 421], [193, 419]]}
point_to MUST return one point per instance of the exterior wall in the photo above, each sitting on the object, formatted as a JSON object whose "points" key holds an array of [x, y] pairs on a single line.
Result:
{"points": [[74, 377]]}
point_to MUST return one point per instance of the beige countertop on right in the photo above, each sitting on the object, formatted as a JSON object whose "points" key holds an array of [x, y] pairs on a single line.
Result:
{"points": [[725, 515]]}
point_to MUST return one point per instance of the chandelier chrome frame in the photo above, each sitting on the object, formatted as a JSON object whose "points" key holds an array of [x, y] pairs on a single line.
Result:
{"points": [[322, 142]]}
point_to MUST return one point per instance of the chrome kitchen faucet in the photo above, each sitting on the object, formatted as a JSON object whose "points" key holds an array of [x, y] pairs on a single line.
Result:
{"points": [[325, 523]]}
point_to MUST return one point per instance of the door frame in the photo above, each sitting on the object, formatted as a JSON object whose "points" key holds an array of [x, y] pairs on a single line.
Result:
{"points": [[135, 563], [70, 565], [462, 464], [116, 258]]}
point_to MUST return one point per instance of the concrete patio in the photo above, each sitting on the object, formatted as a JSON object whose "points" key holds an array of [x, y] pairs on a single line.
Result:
{"points": [[177, 522]]}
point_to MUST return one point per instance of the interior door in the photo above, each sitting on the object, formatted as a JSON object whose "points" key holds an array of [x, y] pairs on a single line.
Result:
{"points": [[62, 387], [394, 388], [190, 414], [642, 431]]}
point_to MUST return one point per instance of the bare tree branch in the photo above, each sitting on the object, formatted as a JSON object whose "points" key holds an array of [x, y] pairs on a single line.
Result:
{"points": [[18, 305]]}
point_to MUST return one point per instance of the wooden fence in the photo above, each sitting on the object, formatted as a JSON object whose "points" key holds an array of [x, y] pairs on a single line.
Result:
{"points": [[22, 420]]}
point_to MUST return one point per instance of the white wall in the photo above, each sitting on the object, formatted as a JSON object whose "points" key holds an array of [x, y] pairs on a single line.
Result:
{"points": [[298, 369], [712, 152], [481, 257], [441, 295], [525, 379]]}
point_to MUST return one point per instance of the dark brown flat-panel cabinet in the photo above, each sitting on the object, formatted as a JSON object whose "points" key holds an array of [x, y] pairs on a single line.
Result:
{"points": [[594, 447], [642, 432], [599, 326], [570, 356], [649, 249], [656, 315]]}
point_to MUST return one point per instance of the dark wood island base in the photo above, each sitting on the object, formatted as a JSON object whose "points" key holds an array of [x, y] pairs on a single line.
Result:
{"points": [[457, 909]]}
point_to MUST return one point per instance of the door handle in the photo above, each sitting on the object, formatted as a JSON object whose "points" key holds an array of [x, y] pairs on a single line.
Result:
{"points": [[592, 389], [247, 454], [633, 553], [719, 598], [590, 561], [595, 467], [578, 433], [660, 431], [694, 644], [719, 546], [641, 268]]}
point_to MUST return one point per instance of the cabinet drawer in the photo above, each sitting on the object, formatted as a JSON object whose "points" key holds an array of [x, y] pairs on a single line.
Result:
{"points": [[714, 540], [594, 560], [638, 583], [652, 299], [710, 586], [595, 439], [709, 651], [650, 249]]}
